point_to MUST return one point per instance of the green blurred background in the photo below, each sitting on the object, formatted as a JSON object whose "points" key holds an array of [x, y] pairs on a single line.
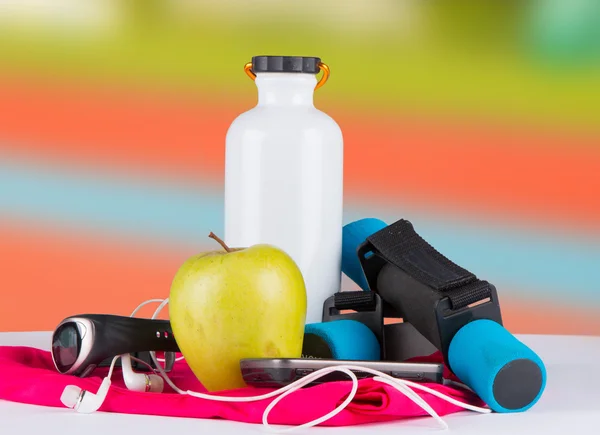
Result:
{"points": [[536, 60]]}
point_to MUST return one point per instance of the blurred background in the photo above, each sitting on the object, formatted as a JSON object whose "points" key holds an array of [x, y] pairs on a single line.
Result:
{"points": [[479, 121]]}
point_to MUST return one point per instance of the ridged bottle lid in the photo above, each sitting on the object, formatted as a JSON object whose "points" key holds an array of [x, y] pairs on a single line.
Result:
{"points": [[288, 64]]}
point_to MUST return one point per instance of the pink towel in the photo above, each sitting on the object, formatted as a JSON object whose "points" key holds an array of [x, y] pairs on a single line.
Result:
{"points": [[28, 375]]}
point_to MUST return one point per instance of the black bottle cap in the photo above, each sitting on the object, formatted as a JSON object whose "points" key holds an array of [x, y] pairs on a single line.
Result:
{"points": [[287, 64]]}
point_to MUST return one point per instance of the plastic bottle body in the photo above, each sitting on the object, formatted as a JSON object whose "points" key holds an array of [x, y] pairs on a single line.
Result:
{"points": [[284, 182]]}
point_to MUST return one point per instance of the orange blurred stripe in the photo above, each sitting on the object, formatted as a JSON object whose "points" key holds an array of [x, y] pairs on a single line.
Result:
{"points": [[545, 177], [49, 275], [539, 317]]}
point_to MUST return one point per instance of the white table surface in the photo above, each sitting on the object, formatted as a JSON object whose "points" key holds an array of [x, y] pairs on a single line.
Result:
{"points": [[569, 406]]}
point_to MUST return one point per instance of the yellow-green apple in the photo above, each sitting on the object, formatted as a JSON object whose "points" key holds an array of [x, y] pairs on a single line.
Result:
{"points": [[231, 304]]}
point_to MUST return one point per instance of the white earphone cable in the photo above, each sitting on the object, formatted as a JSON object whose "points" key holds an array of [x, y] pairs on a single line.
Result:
{"points": [[403, 386], [139, 361], [319, 420], [149, 301], [112, 366], [114, 360], [139, 307]]}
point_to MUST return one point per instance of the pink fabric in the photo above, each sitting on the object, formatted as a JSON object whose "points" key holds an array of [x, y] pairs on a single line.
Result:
{"points": [[28, 376]]}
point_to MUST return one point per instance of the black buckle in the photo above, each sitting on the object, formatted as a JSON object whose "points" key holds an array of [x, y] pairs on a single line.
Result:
{"points": [[368, 307]]}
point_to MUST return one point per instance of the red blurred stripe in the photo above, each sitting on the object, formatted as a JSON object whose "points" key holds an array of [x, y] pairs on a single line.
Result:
{"points": [[49, 275], [543, 176]]}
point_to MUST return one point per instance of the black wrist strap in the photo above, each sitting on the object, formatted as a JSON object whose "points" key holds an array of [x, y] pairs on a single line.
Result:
{"points": [[400, 245]]}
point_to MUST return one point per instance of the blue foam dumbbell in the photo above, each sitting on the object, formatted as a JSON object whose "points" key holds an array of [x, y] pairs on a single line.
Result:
{"points": [[503, 371], [437, 297], [355, 234], [340, 339]]}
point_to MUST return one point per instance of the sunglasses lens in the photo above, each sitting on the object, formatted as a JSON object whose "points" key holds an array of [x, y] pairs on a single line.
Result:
{"points": [[66, 344]]}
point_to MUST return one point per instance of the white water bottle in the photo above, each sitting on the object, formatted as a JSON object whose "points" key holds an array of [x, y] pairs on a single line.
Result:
{"points": [[284, 174]]}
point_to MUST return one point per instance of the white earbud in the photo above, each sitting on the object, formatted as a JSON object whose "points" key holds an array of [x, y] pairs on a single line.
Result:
{"points": [[140, 381], [83, 401]]}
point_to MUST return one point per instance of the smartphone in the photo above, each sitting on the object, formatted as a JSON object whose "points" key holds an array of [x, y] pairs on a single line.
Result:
{"points": [[276, 373]]}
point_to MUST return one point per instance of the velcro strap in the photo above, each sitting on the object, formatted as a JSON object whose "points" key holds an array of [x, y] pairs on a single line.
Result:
{"points": [[356, 300], [469, 294], [400, 245]]}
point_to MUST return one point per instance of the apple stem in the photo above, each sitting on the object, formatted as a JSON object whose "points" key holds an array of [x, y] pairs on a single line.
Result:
{"points": [[221, 242]]}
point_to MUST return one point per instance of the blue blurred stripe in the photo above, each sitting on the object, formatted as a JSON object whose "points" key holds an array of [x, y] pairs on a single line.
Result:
{"points": [[109, 202], [560, 267]]}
